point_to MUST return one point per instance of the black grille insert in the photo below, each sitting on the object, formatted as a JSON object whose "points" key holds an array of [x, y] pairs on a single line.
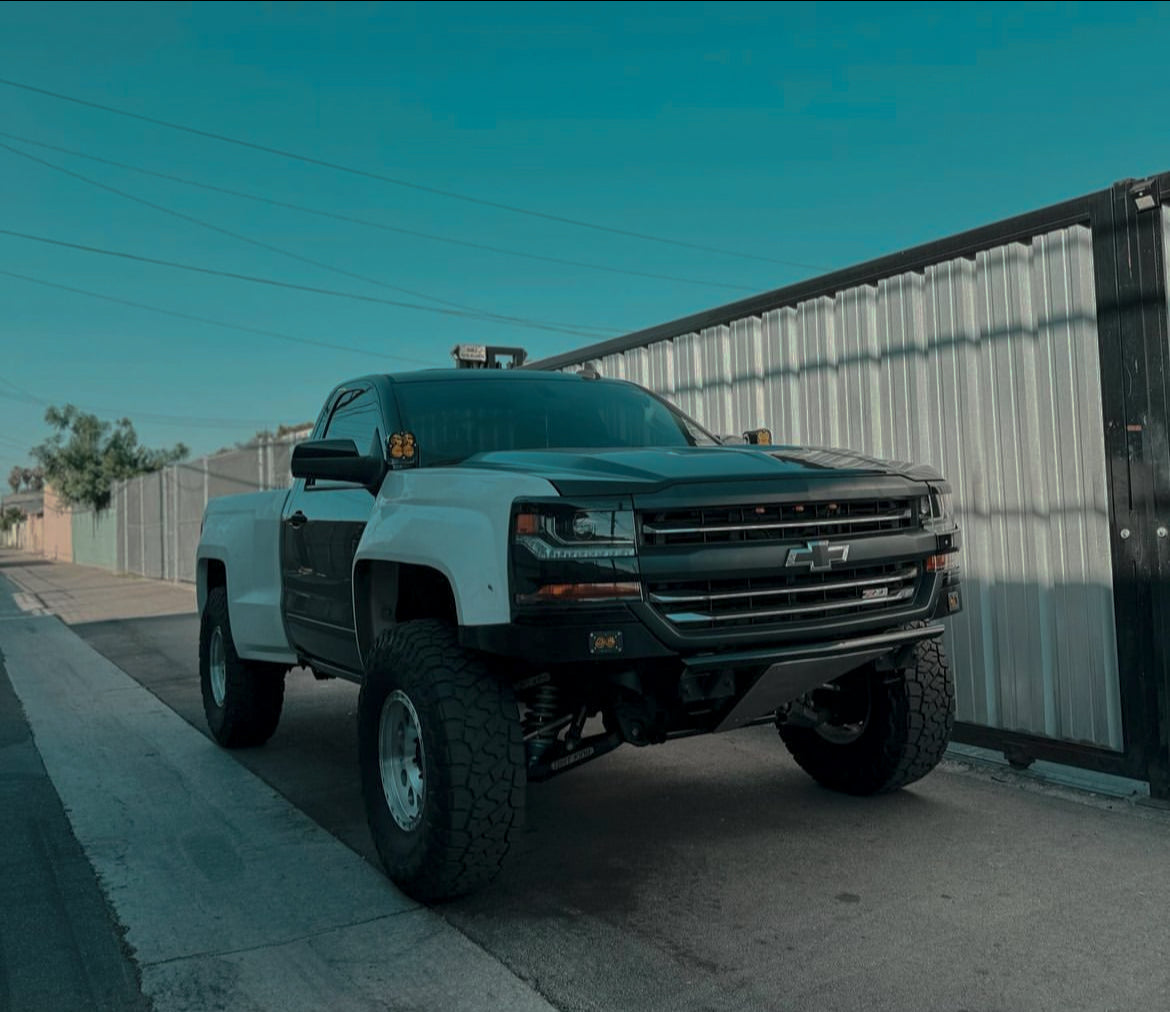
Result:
{"points": [[779, 599], [789, 521]]}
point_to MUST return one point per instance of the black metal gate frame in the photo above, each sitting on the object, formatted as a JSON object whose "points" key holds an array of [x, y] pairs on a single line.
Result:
{"points": [[1133, 335]]}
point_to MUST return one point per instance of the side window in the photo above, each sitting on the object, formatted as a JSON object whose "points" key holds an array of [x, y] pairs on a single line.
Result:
{"points": [[355, 415]]}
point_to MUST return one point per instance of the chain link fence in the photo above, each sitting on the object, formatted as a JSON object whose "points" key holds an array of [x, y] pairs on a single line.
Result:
{"points": [[157, 517]]}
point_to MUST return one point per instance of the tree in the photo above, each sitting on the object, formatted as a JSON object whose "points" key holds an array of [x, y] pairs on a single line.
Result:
{"points": [[10, 517], [85, 455], [31, 479]]}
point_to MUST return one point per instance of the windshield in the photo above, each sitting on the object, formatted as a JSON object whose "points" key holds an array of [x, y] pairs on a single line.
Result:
{"points": [[454, 420]]}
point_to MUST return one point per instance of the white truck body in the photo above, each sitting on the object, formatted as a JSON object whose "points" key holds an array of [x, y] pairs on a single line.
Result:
{"points": [[452, 519]]}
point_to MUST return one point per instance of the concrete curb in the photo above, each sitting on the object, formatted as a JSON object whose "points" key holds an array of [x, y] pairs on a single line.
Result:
{"points": [[231, 897]]}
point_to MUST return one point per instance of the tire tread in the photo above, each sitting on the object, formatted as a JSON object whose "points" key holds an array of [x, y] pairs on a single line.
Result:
{"points": [[255, 690], [479, 813], [910, 740]]}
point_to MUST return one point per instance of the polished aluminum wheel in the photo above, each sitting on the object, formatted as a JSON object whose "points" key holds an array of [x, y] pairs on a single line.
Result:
{"points": [[401, 760], [217, 662]]}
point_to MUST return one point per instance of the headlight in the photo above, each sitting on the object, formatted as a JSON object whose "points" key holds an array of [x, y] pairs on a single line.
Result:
{"points": [[936, 510], [941, 505], [938, 516], [570, 533], [564, 552]]}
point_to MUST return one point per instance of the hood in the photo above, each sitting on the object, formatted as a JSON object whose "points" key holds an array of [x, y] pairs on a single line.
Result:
{"points": [[647, 470]]}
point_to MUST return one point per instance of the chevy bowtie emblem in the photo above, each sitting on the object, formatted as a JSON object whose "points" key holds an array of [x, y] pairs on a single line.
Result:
{"points": [[817, 555]]}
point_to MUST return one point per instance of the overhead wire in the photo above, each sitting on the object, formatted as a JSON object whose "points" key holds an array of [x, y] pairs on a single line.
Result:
{"points": [[272, 282], [202, 223], [380, 226], [262, 331], [394, 180], [116, 414]]}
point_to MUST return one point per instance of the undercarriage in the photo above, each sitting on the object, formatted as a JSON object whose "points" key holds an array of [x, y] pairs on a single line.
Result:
{"points": [[570, 718]]}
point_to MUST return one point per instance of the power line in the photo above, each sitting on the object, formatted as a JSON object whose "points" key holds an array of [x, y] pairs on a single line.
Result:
{"points": [[395, 181], [275, 283], [200, 421], [381, 226], [279, 335], [272, 281], [13, 444], [486, 314]]}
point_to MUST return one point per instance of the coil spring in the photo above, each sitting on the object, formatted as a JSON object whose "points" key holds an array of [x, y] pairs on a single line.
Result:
{"points": [[541, 711]]}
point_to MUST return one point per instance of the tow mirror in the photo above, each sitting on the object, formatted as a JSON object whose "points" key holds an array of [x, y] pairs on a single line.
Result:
{"points": [[337, 460]]}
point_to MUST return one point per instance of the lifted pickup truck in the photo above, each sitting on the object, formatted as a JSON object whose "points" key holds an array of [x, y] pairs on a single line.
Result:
{"points": [[523, 570]]}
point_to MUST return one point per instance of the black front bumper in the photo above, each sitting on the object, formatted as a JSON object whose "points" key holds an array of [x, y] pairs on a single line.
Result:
{"points": [[569, 636], [791, 672]]}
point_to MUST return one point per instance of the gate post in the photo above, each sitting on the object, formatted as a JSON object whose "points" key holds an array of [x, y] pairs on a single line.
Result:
{"points": [[1128, 236]]}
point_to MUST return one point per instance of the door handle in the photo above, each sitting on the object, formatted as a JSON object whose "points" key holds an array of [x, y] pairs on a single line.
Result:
{"points": [[298, 519]]}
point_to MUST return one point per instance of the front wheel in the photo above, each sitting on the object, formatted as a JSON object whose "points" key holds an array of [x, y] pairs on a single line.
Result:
{"points": [[441, 756], [885, 729]]}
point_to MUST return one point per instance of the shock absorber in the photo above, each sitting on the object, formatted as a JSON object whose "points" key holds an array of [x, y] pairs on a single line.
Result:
{"points": [[541, 713]]}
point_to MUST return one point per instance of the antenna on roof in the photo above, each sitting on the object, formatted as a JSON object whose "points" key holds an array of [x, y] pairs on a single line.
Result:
{"points": [[487, 356]]}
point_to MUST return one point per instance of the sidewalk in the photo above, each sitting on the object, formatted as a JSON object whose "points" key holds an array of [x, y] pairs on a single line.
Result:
{"points": [[230, 897], [83, 594]]}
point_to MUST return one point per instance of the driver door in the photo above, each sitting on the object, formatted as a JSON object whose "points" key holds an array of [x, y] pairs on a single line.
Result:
{"points": [[322, 524]]}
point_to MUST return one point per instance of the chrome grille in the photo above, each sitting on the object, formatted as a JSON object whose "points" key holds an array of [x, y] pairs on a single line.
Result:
{"points": [[789, 521], [778, 599]]}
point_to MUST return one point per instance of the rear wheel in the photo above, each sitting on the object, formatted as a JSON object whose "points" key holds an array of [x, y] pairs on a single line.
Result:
{"points": [[884, 729], [242, 699], [442, 761]]}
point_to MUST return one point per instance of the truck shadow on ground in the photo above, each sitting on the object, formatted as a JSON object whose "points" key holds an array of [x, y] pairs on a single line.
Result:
{"points": [[599, 840]]}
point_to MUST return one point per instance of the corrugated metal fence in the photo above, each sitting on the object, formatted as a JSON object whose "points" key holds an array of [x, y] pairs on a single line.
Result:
{"points": [[988, 368]]}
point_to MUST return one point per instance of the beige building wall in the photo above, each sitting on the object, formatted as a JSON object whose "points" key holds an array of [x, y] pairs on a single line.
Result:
{"points": [[57, 528]]}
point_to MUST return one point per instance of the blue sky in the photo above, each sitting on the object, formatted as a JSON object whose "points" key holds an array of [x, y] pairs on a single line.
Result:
{"points": [[819, 135]]}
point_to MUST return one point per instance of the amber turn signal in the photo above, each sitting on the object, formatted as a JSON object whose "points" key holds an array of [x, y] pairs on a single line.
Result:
{"points": [[527, 523], [552, 592], [941, 563]]}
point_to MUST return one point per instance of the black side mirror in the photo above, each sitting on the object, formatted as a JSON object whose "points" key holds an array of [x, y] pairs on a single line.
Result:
{"points": [[337, 460]]}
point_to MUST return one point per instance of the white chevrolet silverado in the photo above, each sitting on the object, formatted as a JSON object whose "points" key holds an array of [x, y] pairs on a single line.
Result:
{"points": [[523, 570]]}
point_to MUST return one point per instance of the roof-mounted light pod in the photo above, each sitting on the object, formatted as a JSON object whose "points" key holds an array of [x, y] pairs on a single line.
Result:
{"points": [[488, 356]]}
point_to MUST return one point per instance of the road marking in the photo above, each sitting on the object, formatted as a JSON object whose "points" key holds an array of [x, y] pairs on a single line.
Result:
{"points": [[30, 604]]}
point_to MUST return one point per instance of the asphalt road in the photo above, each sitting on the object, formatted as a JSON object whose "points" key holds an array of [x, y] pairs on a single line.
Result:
{"points": [[59, 942], [710, 873]]}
